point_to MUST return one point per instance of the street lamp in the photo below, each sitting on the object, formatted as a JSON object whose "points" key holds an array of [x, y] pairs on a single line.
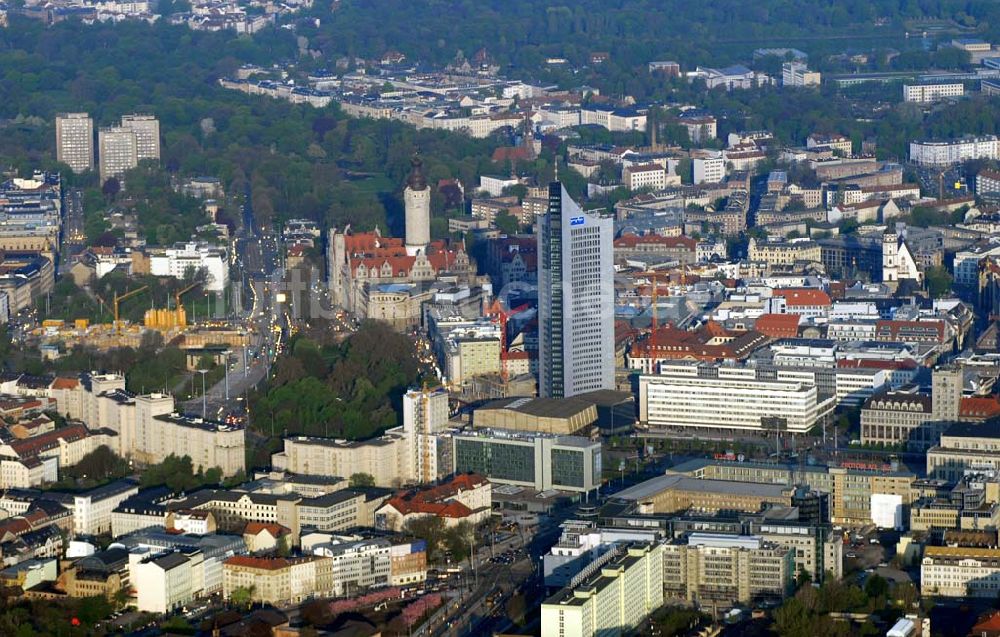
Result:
{"points": [[204, 398]]}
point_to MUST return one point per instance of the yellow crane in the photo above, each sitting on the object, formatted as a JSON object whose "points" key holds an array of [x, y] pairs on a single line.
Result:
{"points": [[118, 299], [178, 295]]}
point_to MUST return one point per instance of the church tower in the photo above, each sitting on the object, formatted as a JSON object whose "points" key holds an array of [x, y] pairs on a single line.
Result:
{"points": [[417, 200], [890, 257]]}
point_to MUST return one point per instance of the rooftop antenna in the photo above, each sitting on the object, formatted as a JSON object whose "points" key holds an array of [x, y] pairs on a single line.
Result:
{"points": [[557, 169]]}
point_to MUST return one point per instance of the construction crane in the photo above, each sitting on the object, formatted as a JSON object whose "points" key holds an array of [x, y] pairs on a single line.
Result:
{"points": [[654, 301], [178, 295], [117, 303]]}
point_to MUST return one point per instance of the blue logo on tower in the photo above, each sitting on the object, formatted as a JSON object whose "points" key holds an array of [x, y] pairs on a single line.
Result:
{"points": [[576, 221]]}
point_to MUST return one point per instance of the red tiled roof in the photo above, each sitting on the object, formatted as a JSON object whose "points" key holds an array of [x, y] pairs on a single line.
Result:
{"points": [[264, 563], [275, 530], [671, 343], [65, 383], [987, 625], [512, 153], [802, 296], [777, 325], [979, 407], [49, 440], [439, 500]]}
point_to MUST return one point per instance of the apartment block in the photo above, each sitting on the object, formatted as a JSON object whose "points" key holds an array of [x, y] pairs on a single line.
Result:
{"points": [[278, 580], [75, 141], [709, 170], [611, 601], [725, 569], [118, 152], [147, 135]]}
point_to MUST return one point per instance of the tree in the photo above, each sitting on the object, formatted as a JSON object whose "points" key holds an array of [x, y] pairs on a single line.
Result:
{"points": [[361, 480], [506, 223], [876, 587], [939, 281], [793, 619], [242, 596], [111, 188]]}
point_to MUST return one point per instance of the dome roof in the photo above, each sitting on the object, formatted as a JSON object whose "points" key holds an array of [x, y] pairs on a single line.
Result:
{"points": [[416, 179]]}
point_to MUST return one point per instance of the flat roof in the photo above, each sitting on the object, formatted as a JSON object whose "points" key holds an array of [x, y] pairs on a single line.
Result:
{"points": [[655, 486], [541, 407]]}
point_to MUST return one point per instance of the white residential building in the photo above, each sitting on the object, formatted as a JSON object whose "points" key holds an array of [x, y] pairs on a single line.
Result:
{"points": [[651, 176], [184, 258], [147, 135], [709, 170], [956, 151], [612, 600], [92, 509], [166, 582], [948, 571]]}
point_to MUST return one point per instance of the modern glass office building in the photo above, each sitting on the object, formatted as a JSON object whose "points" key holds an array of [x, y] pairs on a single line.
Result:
{"points": [[537, 461]]}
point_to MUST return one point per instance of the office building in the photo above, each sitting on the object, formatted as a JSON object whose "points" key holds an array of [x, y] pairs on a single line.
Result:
{"points": [[75, 141], [957, 571], [533, 460], [727, 398], [118, 152], [850, 487], [715, 569], [965, 448], [356, 565], [679, 493], [575, 299], [925, 93], [147, 135], [613, 600]]}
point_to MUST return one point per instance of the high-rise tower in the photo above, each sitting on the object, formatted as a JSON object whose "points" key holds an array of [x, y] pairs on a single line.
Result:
{"points": [[75, 141], [576, 313], [417, 199]]}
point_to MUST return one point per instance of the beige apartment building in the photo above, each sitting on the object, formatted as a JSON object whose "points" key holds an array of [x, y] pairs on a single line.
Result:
{"points": [[278, 580], [727, 569], [385, 458], [147, 135]]}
